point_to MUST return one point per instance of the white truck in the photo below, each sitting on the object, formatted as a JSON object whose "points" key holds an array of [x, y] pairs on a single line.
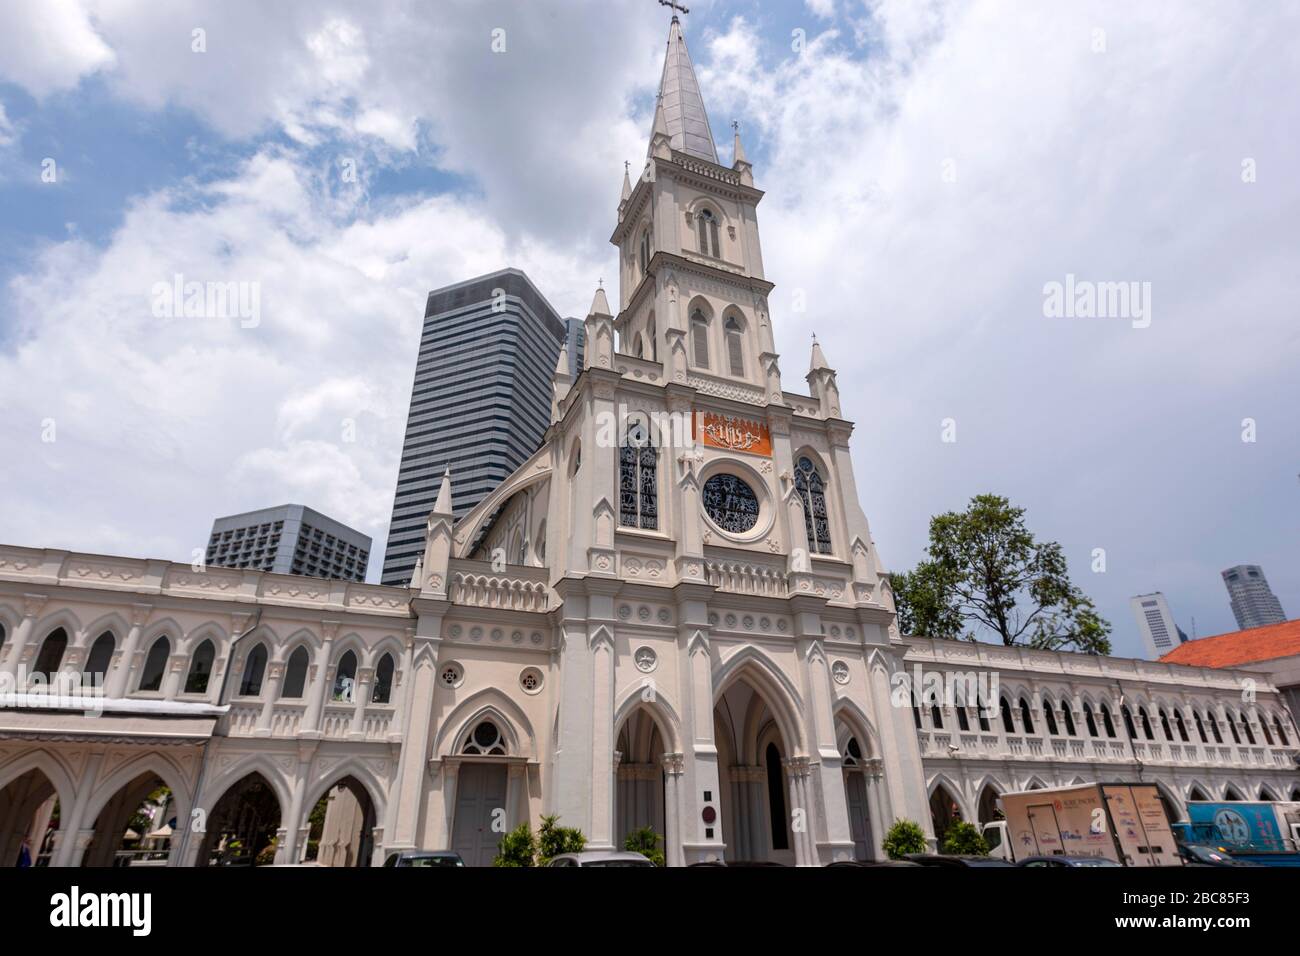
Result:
{"points": [[1123, 822]]}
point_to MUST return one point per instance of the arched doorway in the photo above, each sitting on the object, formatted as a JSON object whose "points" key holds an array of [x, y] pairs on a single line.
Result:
{"points": [[29, 820], [481, 794], [755, 788], [341, 826], [944, 811], [855, 769], [134, 828], [241, 829], [639, 797]]}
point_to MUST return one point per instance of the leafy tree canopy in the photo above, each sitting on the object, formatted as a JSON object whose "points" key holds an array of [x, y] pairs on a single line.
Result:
{"points": [[986, 572]]}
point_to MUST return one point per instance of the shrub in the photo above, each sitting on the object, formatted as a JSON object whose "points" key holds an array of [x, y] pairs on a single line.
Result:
{"points": [[517, 848], [904, 837], [553, 839], [963, 838], [646, 842], [267, 855]]}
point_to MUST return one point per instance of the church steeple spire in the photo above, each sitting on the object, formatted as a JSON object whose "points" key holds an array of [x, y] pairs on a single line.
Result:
{"points": [[680, 102]]}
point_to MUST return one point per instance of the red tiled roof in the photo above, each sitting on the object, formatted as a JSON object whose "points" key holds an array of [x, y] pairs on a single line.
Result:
{"points": [[1239, 647]]}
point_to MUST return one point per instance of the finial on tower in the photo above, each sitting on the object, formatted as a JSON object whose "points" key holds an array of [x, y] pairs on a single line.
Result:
{"points": [[675, 7]]}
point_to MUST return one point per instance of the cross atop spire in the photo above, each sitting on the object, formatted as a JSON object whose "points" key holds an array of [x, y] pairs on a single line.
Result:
{"points": [[675, 7]]}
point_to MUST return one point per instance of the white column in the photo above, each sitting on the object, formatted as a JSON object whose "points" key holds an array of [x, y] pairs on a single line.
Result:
{"points": [[360, 697], [319, 687], [13, 648]]}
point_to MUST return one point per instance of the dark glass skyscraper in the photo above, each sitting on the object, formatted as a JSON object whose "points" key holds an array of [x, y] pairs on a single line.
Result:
{"points": [[480, 404]]}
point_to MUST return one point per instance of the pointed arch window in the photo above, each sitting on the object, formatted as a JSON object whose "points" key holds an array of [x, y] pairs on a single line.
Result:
{"points": [[963, 721], [1106, 721], [936, 717], [51, 655], [1146, 723], [295, 675], [708, 227], [1214, 726], [735, 336], [638, 486], [196, 681], [254, 669], [1181, 725], [1164, 724], [155, 664], [345, 677], [1026, 720], [1232, 726], [1281, 733], [652, 349], [647, 249], [699, 339], [1263, 725], [1128, 722], [1245, 725], [981, 712], [101, 655], [1050, 716], [1067, 717], [812, 492], [1007, 724], [383, 692], [1089, 720]]}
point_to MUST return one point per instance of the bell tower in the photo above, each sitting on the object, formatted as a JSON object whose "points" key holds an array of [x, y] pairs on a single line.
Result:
{"points": [[692, 293]]}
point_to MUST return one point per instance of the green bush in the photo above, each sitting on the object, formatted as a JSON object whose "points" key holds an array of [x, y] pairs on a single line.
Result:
{"points": [[963, 838], [904, 837], [553, 839], [517, 848], [267, 855], [646, 842]]}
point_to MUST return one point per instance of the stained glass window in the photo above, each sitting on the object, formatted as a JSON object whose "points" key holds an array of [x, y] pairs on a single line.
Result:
{"points": [[638, 487], [812, 491], [730, 503]]}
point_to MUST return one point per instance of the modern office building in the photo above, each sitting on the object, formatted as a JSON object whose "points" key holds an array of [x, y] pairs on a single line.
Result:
{"points": [[480, 403], [1253, 602], [1160, 633], [290, 539]]}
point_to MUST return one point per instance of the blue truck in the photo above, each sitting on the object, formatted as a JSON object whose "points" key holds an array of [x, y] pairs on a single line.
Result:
{"points": [[1260, 832]]}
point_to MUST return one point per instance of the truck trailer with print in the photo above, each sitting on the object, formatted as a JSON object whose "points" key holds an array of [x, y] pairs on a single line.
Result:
{"points": [[1122, 822]]}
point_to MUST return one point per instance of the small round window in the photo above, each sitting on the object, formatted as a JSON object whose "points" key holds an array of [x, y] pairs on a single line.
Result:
{"points": [[530, 679], [730, 503], [452, 674]]}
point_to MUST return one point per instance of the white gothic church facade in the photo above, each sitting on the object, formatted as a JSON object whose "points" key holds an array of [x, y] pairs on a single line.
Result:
{"points": [[672, 615]]}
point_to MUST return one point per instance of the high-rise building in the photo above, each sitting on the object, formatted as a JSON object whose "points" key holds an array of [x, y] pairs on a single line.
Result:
{"points": [[1160, 633], [290, 539], [480, 403], [1253, 602]]}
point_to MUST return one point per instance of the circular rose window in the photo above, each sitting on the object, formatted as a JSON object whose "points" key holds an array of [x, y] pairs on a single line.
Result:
{"points": [[730, 503]]}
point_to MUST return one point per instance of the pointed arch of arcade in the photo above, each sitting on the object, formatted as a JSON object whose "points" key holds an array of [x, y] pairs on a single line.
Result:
{"points": [[761, 673], [260, 764], [151, 768], [946, 804], [112, 622], [646, 795], [351, 771], [61, 783], [987, 794], [1198, 791], [1174, 805]]}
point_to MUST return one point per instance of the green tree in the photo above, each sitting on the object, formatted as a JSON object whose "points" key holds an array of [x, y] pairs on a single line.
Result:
{"points": [[646, 842], [963, 838], [986, 570], [904, 837]]}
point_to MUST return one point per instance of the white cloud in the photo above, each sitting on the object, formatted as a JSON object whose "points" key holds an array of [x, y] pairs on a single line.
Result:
{"points": [[49, 45], [927, 293]]}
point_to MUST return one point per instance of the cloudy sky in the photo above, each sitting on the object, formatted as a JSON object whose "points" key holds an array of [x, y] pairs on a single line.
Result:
{"points": [[929, 168]]}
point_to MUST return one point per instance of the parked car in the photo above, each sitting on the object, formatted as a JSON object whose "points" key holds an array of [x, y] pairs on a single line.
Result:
{"points": [[424, 858], [953, 860], [738, 863], [873, 863], [601, 858], [1062, 860], [1196, 854]]}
